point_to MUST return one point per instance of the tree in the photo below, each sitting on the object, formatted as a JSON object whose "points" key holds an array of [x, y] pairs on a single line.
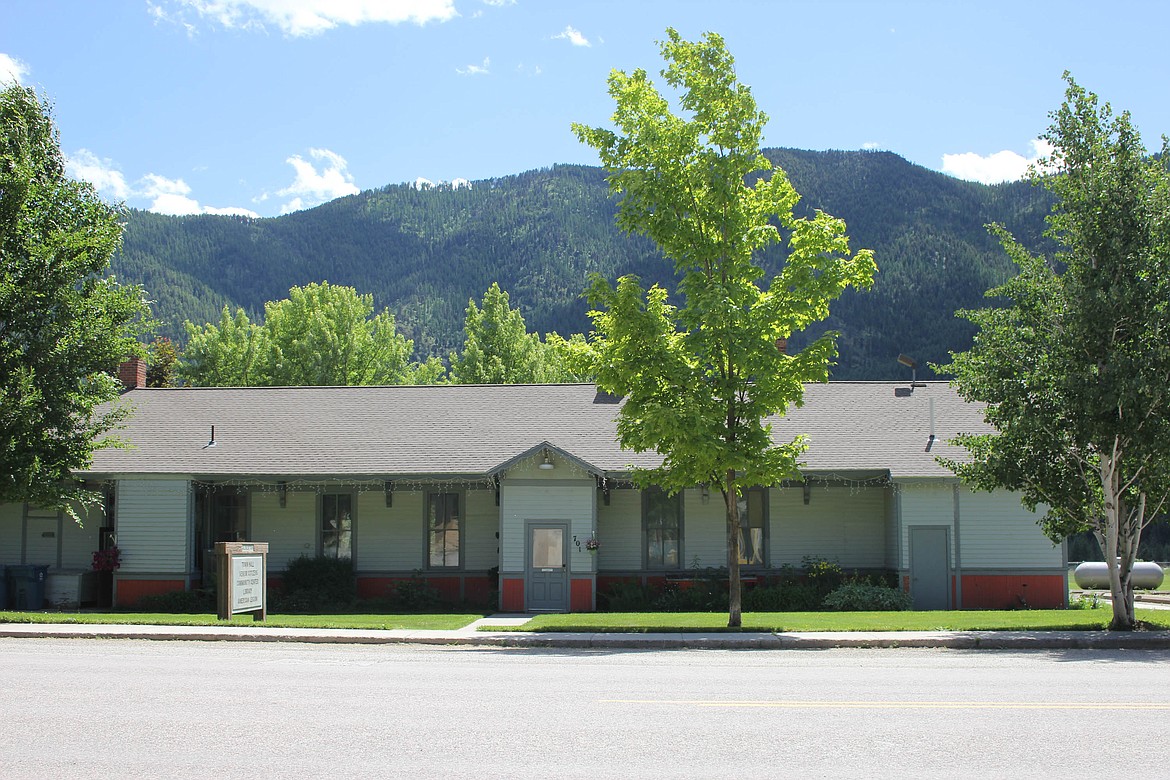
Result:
{"points": [[498, 349], [1075, 369], [322, 334], [163, 357], [232, 354], [64, 327], [701, 378]]}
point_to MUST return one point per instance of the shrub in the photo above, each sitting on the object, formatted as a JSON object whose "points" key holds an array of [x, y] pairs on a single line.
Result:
{"points": [[784, 597], [180, 602], [318, 584], [626, 597], [863, 597], [826, 575], [414, 595]]}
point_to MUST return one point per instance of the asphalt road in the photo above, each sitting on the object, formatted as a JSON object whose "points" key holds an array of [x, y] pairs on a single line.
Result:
{"points": [[116, 708]]}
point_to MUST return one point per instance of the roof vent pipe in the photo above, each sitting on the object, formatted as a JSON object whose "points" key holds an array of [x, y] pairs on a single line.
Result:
{"points": [[211, 443]]}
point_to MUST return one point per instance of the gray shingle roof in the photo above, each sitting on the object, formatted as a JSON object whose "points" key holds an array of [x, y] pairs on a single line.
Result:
{"points": [[472, 429]]}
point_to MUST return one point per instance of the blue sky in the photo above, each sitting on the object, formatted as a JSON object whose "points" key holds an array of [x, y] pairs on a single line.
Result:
{"points": [[268, 106]]}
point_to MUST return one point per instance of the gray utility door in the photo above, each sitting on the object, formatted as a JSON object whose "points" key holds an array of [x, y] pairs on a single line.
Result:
{"points": [[42, 531], [930, 567], [548, 567]]}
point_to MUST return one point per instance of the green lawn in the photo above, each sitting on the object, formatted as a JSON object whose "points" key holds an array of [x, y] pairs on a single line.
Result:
{"points": [[418, 622], [1032, 619]]}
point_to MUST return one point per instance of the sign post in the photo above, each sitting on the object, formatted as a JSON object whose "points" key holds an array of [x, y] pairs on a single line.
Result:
{"points": [[243, 579]]}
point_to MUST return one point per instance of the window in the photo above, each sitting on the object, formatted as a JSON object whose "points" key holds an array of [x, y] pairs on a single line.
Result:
{"points": [[443, 531], [753, 527], [337, 525], [662, 525]]}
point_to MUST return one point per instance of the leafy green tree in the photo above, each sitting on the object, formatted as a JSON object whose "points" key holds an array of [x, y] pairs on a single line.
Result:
{"points": [[325, 334], [1076, 369], [497, 347], [232, 354], [700, 379], [64, 327], [163, 356], [322, 334]]}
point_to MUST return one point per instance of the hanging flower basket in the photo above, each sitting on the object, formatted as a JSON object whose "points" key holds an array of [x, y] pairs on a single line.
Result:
{"points": [[592, 544]]}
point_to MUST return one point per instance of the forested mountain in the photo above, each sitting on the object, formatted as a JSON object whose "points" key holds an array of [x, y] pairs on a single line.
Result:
{"points": [[425, 253]]}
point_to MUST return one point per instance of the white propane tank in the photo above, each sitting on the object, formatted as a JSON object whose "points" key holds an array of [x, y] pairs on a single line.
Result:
{"points": [[1094, 575]]}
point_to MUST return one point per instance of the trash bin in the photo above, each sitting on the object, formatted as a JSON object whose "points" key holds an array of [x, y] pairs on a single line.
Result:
{"points": [[26, 586]]}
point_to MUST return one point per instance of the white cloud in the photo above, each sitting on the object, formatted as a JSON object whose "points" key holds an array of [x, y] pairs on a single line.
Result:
{"points": [[499, 3], [166, 196], [994, 168], [312, 187], [306, 17], [12, 70], [102, 174], [573, 36], [423, 183], [869, 146], [476, 70]]}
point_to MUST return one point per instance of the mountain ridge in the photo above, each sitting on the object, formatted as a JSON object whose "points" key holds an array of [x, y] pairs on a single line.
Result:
{"points": [[424, 252]]}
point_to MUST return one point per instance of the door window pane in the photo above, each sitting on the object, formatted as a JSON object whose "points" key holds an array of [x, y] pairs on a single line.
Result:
{"points": [[548, 548]]}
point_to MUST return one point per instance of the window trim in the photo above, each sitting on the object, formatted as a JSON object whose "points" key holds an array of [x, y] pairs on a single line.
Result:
{"points": [[680, 504], [426, 551]]}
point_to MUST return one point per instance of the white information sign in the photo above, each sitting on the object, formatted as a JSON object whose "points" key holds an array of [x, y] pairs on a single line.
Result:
{"points": [[247, 583]]}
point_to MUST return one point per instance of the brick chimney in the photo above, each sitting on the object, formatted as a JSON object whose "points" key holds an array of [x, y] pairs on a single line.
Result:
{"points": [[132, 373]]}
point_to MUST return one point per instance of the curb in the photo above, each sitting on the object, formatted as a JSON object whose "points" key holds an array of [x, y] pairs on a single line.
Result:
{"points": [[967, 640]]}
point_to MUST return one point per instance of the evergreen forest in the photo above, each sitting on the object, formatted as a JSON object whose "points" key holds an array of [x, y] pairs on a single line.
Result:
{"points": [[424, 253]]}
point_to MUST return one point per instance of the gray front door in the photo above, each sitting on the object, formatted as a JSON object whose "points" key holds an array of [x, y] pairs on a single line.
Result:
{"points": [[548, 567], [930, 568]]}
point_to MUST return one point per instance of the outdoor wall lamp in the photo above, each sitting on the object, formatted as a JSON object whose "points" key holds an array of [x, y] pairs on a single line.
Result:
{"points": [[388, 489], [547, 465], [282, 489]]}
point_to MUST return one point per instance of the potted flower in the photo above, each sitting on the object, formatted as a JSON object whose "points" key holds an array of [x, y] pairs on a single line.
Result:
{"points": [[592, 544]]}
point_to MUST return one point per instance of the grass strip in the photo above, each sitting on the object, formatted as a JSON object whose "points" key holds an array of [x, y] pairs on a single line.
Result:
{"points": [[423, 622], [965, 620]]}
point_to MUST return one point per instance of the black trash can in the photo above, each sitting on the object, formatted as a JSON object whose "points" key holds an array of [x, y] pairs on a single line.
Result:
{"points": [[26, 586]]}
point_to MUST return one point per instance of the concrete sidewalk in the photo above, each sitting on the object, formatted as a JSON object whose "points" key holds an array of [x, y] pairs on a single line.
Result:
{"points": [[472, 636]]}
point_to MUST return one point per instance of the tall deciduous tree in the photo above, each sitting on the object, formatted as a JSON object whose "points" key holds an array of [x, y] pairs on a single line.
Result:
{"points": [[325, 334], [322, 334], [1076, 370], [64, 327], [231, 354], [701, 379], [498, 349]]}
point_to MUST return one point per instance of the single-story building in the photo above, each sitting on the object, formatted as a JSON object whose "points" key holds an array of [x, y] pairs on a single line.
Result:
{"points": [[486, 487]]}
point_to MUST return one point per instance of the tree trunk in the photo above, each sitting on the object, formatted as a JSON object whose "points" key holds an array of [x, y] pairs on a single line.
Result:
{"points": [[734, 616], [1119, 553]]}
